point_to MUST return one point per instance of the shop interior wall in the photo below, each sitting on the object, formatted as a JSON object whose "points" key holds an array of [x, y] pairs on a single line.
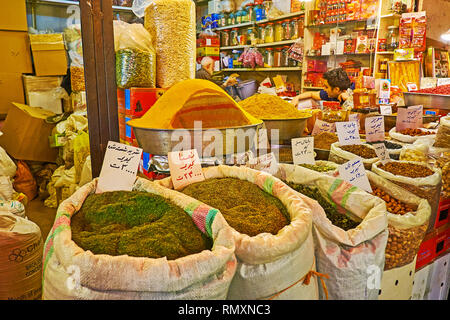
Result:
{"points": [[438, 17]]}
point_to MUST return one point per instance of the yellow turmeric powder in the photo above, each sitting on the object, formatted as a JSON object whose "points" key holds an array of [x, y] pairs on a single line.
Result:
{"points": [[270, 107]]}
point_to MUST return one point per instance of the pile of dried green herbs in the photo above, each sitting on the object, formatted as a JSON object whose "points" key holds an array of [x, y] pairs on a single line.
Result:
{"points": [[139, 224], [245, 207], [333, 215]]}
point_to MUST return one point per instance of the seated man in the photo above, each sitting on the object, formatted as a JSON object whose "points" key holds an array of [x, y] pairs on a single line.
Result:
{"points": [[336, 83], [207, 70]]}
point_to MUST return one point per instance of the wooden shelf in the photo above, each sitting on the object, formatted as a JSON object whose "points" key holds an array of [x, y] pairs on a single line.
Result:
{"points": [[254, 23], [385, 52], [68, 3], [344, 54], [265, 69], [334, 25], [260, 45]]}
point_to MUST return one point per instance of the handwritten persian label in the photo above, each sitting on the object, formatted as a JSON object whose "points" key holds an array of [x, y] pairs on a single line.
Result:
{"points": [[411, 117], [267, 162], [385, 110], [303, 150], [382, 153], [355, 117], [119, 168], [374, 129], [261, 141], [353, 172], [323, 126], [348, 133], [185, 168]]}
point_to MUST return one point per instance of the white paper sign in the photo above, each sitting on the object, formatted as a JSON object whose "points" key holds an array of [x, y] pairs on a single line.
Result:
{"points": [[323, 126], [119, 168], [348, 133], [267, 162], [443, 81], [303, 150], [411, 117], [326, 49], [385, 110], [185, 168], [382, 152], [355, 117], [340, 47], [353, 172], [374, 128]]}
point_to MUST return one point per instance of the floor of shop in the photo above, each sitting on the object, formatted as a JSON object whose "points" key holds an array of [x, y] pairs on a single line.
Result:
{"points": [[43, 216]]}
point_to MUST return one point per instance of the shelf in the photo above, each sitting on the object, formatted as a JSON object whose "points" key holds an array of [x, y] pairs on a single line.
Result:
{"points": [[240, 25], [334, 25], [260, 45], [313, 88], [391, 15], [265, 69], [385, 52], [68, 3], [345, 54], [254, 23]]}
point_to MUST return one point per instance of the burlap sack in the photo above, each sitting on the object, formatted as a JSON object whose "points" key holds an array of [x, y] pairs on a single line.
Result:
{"points": [[348, 257], [272, 266], [69, 272]]}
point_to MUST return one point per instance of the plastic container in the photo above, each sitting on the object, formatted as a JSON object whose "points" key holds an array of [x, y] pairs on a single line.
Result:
{"points": [[269, 57], [285, 56], [277, 57], [287, 29], [278, 31], [246, 88], [269, 35], [259, 12]]}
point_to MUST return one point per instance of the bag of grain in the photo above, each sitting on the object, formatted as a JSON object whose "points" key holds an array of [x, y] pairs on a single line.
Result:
{"points": [[69, 272], [416, 177], [443, 133], [406, 230], [341, 154], [351, 252], [270, 265], [172, 26], [20, 258], [409, 138], [7, 166]]}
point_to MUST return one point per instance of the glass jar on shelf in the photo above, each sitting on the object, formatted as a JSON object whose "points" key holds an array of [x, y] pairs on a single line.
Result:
{"points": [[242, 37], [234, 37], [225, 38], [301, 26], [239, 17], [277, 57], [244, 16], [292, 63], [223, 19], [252, 36], [278, 31], [251, 12], [269, 35], [285, 56], [392, 39], [287, 29], [269, 58], [294, 28], [262, 33], [231, 19]]}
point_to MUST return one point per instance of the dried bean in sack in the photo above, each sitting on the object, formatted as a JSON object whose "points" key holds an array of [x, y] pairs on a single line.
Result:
{"points": [[204, 275], [406, 229], [271, 266], [443, 133], [418, 178], [365, 151], [346, 256]]}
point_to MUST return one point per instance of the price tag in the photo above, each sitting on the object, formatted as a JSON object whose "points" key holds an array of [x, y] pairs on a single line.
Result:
{"points": [[267, 162], [323, 126], [382, 153], [353, 172], [303, 150], [355, 117], [119, 168], [411, 117], [340, 47], [374, 129], [326, 49], [442, 81], [185, 168], [386, 110], [348, 133]]}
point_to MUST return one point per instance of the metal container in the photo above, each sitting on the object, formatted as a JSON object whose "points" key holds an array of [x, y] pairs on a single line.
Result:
{"points": [[162, 141], [287, 129], [427, 100], [322, 154]]}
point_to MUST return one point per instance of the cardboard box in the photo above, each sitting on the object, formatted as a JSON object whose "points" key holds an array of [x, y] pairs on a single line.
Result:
{"points": [[16, 57], [11, 90], [25, 134], [49, 54], [441, 237], [139, 100], [44, 92], [210, 42], [208, 51], [442, 214], [13, 15], [426, 253], [121, 100]]}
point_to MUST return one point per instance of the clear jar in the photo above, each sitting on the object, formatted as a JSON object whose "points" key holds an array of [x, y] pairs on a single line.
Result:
{"points": [[292, 63], [234, 37], [243, 37], [269, 35], [285, 56], [225, 38], [231, 19], [244, 16], [286, 29], [224, 19], [252, 36], [278, 31], [277, 57], [269, 57], [392, 40], [239, 17], [251, 12], [294, 29], [262, 33]]}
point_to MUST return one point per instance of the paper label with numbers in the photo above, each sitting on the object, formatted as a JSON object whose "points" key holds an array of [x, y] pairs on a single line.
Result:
{"points": [[303, 150], [382, 152], [411, 117], [385, 110], [323, 126], [267, 162], [355, 117], [119, 168], [353, 172], [374, 129], [185, 168], [261, 140], [348, 133]]}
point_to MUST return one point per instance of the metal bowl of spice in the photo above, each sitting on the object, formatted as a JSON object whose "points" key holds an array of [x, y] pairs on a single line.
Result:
{"points": [[287, 129], [232, 140]]}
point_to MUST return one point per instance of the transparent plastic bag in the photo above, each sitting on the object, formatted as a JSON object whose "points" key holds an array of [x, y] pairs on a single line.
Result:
{"points": [[418, 151], [443, 133], [135, 56]]}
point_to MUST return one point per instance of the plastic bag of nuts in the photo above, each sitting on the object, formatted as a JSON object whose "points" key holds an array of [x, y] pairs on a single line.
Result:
{"points": [[340, 156], [420, 179], [406, 230], [77, 78]]}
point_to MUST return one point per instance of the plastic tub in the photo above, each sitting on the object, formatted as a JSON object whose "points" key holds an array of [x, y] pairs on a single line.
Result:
{"points": [[246, 89]]}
